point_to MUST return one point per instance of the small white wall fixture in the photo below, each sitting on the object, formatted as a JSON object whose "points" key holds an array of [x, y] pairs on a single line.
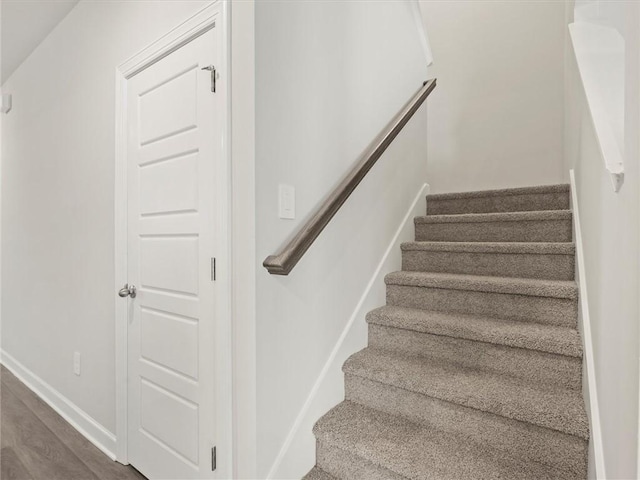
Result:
{"points": [[204, 20], [7, 101]]}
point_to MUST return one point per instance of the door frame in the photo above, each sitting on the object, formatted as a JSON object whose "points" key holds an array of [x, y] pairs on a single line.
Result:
{"points": [[214, 15]]}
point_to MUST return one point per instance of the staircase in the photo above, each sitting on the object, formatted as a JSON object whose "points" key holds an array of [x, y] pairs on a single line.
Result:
{"points": [[474, 366]]}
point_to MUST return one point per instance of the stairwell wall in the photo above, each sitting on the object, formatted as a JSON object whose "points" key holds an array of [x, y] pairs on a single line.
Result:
{"points": [[329, 76], [497, 117], [610, 236]]}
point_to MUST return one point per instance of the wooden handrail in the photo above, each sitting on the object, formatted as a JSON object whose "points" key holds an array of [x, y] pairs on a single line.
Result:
{"points": [[283, 262]]}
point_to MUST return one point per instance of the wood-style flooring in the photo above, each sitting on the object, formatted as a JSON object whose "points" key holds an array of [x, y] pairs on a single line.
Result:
{"points": [[38, 444]]}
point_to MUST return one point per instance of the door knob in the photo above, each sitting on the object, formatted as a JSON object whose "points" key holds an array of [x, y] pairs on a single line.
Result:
{"points": [[128, 291]]}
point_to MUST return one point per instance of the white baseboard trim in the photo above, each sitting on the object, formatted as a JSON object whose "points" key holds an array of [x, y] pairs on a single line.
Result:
{"points": [[297, 454], [77, 418], [590, 389]]}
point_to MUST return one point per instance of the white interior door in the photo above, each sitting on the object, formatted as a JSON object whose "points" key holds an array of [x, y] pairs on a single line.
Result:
{"points": [[174, 143]]}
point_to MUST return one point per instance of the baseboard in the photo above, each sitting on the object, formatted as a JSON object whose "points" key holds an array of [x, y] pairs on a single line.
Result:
{"points": [[596, 462], [77, 418], [297, 454]]}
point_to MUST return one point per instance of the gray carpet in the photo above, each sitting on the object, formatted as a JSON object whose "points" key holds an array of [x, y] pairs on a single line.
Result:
{"points": [[474, 366]]}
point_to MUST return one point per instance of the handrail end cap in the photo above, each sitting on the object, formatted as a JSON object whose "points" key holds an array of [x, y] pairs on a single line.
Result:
{"points": [[274, 266]]}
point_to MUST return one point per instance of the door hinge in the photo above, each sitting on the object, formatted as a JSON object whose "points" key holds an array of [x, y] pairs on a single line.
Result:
{"points": [[213, 459], [213, 269], [214, 76]]}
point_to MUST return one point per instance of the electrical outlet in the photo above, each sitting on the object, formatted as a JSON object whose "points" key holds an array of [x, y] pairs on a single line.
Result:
{"points": [[76, 363]]}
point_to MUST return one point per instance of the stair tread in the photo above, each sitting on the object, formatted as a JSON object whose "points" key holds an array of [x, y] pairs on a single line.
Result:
{"points": [[540, 189], [536, 248], [511, 333], [317, 473], [555, 408], [536, 215], [415, 451], [508, 285]]}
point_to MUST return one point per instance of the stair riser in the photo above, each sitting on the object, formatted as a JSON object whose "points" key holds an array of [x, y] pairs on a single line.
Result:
{"points": [[549, 267], [514, 231], [499, 204], [345, 465], [540, 367], [545, 310], [521, 440]]}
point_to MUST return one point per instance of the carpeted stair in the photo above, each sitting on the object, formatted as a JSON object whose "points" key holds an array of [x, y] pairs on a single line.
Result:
{"points": [[474, 366]]}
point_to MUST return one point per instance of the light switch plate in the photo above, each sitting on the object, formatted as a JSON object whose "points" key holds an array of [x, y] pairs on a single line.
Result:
{"points": [[286, 202]]}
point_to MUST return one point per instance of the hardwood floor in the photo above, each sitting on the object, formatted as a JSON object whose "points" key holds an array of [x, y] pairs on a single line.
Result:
{"points": [[38, 444]]}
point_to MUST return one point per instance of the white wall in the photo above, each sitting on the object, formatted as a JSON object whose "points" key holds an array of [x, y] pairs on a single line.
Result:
{"points": [[329, 76], [610, 236], [496, 120], [58, 196]]}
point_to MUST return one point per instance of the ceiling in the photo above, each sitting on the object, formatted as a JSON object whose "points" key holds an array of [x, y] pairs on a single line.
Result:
{"points": [[24, 25]]}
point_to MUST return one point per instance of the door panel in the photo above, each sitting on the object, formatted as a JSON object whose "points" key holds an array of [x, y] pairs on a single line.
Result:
{"points": [[177, 95], [169, 186], [170, 340], [173, 149], [170, 263], [171, 420]]}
